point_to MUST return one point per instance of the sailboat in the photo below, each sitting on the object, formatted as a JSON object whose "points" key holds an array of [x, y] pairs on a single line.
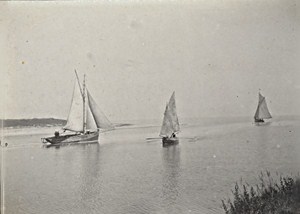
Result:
{"points": [[262, 111], [85, 120], [170, 125]]}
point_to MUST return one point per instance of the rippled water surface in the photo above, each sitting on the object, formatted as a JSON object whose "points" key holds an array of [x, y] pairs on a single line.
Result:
{"points": [[126, 173]]}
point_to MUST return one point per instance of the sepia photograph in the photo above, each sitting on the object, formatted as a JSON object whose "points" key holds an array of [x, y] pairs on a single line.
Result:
{"points": [[150, 107]]}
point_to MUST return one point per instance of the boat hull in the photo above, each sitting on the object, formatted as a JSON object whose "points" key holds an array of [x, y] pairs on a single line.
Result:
{"points": [[71, 139], [169, 141], [265, 123], [259, 121]]}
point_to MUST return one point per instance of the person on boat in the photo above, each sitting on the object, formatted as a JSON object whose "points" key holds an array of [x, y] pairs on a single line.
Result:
{"points": [[56, 134]]}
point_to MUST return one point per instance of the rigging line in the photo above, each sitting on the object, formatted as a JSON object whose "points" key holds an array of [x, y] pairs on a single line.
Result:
{"points": [[79, 83], [84, 110]]}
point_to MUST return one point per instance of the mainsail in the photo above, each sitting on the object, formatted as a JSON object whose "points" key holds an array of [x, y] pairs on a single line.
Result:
{"points": [[170, 122], [262, 111], [75, 118], [84, 113]]}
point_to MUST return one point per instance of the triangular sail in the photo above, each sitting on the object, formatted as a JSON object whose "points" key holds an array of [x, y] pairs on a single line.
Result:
{"points": [[75, 118], [166, 128], [262, 111], [170, 122], [173, 113], [90, 120], [100, 119]]}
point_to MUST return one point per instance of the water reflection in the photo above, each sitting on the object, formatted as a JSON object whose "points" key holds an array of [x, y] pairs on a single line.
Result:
{"points": [[81, 167], [89, 172], [263, 139], [171, 173]]}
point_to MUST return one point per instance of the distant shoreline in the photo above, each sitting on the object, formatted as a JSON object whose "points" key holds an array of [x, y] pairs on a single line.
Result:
{"points": [[41, 122], [35, 122], [52, 122]]}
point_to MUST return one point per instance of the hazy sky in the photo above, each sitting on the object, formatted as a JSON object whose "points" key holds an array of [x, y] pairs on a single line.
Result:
{"points": [[214, 54]]}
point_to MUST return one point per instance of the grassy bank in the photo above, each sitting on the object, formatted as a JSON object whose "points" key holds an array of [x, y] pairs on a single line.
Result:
{"points": [[280, 196]]}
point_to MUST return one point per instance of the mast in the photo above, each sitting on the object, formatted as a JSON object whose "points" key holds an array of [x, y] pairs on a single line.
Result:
{"points": [[83, 97], [82, 92]]}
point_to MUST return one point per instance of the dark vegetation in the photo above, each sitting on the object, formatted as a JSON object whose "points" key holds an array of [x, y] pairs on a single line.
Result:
{"points": [[41, 122], [269, 197], [33, 122]]}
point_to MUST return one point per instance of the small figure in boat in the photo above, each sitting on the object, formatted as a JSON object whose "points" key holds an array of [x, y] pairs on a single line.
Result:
{"points": [[172, 136], [56, 134]]}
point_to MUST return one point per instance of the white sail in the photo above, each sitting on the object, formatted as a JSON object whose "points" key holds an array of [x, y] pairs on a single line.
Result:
{"points": [[262, 111], [173, 113], [90, 121], [100, 119], [75, 118], [170, 122], [166, 128]]}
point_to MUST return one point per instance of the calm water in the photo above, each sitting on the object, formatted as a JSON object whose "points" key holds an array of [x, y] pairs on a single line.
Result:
{"points": [[127, 174]]}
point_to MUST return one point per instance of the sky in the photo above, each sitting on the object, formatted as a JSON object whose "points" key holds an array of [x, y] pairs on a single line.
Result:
{"points": [[215, 55]]}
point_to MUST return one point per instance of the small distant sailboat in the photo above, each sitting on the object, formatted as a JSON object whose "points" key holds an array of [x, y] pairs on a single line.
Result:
{"points": [[170, 125], [85, 120], [262, 111]]}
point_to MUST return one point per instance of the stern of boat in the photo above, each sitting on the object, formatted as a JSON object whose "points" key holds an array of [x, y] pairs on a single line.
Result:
{"points": [[169, 141]]}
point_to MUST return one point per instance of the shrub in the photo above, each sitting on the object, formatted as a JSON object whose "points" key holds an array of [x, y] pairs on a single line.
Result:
{"points": [[281, 197]]}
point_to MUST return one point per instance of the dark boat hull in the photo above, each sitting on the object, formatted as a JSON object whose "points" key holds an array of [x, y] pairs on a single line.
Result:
{"points": [[169, 141], [261, 122], [71, 139]]}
